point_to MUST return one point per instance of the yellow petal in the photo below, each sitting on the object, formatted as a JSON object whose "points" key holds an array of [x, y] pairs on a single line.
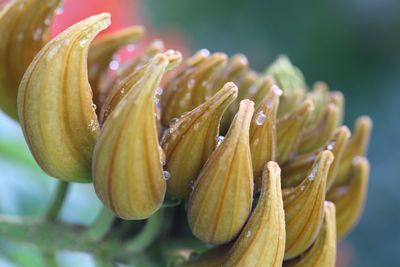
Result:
{"points": [[123, 86], [357, 147], [295, 170], [233, 72], [304, 207], [55, 103], [289, 130], [24, 30], [191, 88], [262, 241], [127, 169], [263, 133], [323, 251], [223, 193], [321, 131], [194, 134], [350, 198], [102, 51]]}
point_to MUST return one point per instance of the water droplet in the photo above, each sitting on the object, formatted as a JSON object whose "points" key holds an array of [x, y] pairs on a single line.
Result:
{"points": [[83, 42], [220, 139], [277, 91], [248, 234], [170, 52], [59, 10], [261, 117], [192, 184], [204, 52], [159, 91], [92, 125], [94, 107], [256, 141], [191, 83], [47, 21], [302, 187], [37, 33], [52, 52], [331, 145], [166, 175], [122, 91], [313, 173], [130, 48], [114, 64]]}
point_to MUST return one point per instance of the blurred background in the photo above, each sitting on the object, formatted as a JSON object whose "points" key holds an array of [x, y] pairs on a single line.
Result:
{"points": [[353, 45]]}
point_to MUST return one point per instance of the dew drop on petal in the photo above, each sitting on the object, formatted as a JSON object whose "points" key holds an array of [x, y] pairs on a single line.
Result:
{"points": [[261, 117], [159, 91], [204, 52], [94, 107], [37, 33], [196, 125], [166, 175], [220, 139], [122, 91], [313, 173], [130, 48], [331, 145], [248, 234], [60, 10], [114, 64], [191, 83]]}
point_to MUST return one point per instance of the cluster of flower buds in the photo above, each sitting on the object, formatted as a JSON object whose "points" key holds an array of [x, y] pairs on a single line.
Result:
{"points": [[266, 172]]}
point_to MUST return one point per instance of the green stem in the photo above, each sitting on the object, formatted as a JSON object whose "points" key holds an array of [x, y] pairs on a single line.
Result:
{"points": [[148, 234], [57, 201], [49, 259], [101, 225]]}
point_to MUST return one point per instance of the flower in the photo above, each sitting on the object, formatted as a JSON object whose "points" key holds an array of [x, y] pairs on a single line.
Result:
{"points": [[259, 159]]}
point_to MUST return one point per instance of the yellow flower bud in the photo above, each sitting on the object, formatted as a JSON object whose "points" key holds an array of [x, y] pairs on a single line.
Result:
{"points": [[223, 193], [127, 169], [323, 251], [101, 53], [24, 30], [191, 87], [350, 197], [289, 130], [55, 105], [262, 240], [194, 134], [304, 207], [263, 133]]}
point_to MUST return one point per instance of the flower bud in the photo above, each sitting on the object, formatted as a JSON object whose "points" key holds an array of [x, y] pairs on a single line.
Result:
{"points": [[191, 87], [357, 147], [304, 207], [127, 169], [194, 134], [126, 84], [24, 30], [289, 130], [321, 131], [350, 197], [233, 72], [263, 133], [295, 170], [55, 105], [101, 53], [262, 240], [323, 251], [223, 193]]}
